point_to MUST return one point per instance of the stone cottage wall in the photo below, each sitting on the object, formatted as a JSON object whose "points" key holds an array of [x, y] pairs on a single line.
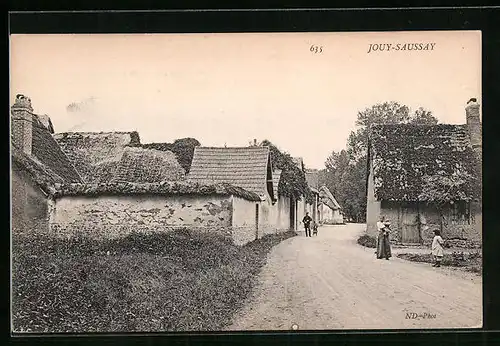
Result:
{"points": [[29, 204], [283, 213], [372, 205], [244, 220], [457, 233], [115, 216]]}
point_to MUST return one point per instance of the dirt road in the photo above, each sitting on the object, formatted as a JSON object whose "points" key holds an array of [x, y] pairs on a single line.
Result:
{"points": [[330, 282]]}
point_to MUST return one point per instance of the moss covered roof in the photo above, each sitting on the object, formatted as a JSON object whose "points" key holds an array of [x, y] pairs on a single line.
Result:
{"points": [[141, 165], [402, 155], [48, 152], [105, 157], [159, 188], [41, 175], [96, 155]]}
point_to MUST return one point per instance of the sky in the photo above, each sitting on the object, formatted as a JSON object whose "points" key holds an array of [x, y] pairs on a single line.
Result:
{"points": [[228, 89]]}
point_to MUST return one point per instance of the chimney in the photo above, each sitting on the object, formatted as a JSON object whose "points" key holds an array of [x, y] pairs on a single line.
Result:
{"points": [[22, 123], [254, 142], [474, 124]]}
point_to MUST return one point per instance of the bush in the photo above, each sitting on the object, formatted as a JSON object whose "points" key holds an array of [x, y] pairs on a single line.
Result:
{"points": [[179, 281], [454, 259], [367, 241]]}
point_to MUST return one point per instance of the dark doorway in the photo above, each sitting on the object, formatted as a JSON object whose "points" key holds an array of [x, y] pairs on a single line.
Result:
{"points": [[292, 214], [256, 221]]}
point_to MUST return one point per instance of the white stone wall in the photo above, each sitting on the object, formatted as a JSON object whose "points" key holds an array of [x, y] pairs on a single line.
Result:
{"points": [[372, 205], [115, 216], [244, 220]]}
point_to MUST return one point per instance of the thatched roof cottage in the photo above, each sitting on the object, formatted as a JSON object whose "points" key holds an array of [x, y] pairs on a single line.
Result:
{"points": [[37, 165], [106, 185], [426, 177]]}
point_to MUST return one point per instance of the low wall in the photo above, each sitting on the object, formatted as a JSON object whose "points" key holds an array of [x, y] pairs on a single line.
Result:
{"points": [[116, 216]]}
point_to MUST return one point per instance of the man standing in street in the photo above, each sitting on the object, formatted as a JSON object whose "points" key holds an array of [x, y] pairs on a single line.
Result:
{"points": [[307, 224]]}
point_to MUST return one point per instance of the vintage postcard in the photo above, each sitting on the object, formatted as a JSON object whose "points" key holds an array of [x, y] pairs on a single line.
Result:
{"points": [[246, 182]]}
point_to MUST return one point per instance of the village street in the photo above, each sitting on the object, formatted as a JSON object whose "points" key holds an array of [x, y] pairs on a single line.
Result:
{"points": [[331, 282]]}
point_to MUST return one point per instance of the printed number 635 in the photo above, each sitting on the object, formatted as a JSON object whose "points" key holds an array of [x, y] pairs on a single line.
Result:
{"points": [[315, 49]]}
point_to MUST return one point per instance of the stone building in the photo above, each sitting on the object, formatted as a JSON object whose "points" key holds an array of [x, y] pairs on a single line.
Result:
{"points": [[405, 160], [247, 167], [330, 211], [37, 166]]}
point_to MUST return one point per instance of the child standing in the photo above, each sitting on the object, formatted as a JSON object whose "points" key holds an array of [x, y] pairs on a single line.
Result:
{"points": [[437, 248], [315, 228]]}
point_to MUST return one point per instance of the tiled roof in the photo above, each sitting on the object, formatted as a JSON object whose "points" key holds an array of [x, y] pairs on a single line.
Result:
{"points": [[148, 166], [246, 167], [96, 155], [327, 198], [48, 152], [276, 180], [403, 154]]}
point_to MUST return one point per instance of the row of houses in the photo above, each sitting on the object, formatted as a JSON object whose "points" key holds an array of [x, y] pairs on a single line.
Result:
{"points": [[107, 185]]}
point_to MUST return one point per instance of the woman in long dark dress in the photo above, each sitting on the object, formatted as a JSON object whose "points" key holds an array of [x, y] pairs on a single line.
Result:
{"points": [[383, 242]]}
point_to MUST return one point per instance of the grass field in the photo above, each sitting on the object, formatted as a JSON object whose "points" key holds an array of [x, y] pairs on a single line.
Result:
{"points": [[182, 281]]}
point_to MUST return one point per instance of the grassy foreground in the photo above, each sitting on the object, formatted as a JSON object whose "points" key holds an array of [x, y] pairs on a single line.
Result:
{"points": [[182, 281]]}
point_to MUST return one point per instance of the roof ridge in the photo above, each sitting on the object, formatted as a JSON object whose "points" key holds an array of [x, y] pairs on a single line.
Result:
{"points": [[93, 132], [248, 147]]}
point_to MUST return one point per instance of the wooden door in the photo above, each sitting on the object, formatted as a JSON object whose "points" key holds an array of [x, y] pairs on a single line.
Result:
{"points": [[410, 229]]}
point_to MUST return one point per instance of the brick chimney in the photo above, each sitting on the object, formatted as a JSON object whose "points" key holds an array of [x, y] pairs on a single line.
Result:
{"points": [[22, 123], [474, 124]]}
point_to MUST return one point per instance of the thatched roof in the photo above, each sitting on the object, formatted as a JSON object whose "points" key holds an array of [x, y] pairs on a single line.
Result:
{"points": [[46, 156], [403, 154], [48, 152], [88, 151], [327, 198], [148, 166], [276, 180], [96, 155], [160, 188], [247, 167], [41, 175]]}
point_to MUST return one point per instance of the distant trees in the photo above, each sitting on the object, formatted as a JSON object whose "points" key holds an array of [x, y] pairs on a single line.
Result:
{"points": [[345, 172]]}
